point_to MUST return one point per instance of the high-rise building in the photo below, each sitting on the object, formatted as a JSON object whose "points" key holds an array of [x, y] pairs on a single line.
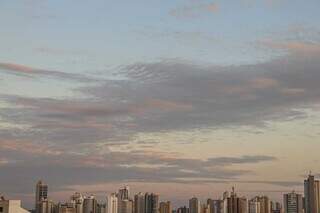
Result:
{"points": [[224, 202], [254, 206], [235, 204], [139, 203], [218, 206], [204, 208], [41, 194], [125, 206], [151, 203], [101, 208], [65, 208], [124, 193], [243, 205], [77, 199], [276, 207], [194, 205], [214, 206], [89, 204], [46, 206], [210, 205], [264, 204], [292, 203], [183, 209], [165, 207], [312, 195], [112, 203]]}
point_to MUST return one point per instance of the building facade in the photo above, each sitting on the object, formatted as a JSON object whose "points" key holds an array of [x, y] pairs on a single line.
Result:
{"points": [[292, 203], [41, 194], [11, 206], [194, 205], [254, 206], [125, 206], [151, 203], [312, 195], [46, 206], [77, 199], [165, 207], [112, 203], [234, 204], [89, 204], [124, 193], [139, 203]]}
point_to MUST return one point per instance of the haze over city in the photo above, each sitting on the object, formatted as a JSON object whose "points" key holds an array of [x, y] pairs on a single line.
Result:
{"points": [[184, 98]]}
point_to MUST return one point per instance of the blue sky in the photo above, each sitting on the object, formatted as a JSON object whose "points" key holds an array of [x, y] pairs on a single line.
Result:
{"points": [[187, 91], [114, 33]]}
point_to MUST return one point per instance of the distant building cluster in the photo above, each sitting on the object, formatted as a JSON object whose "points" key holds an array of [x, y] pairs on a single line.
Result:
{"points": [[122, 202]]}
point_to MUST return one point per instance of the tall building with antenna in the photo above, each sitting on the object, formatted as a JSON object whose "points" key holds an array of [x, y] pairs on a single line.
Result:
{"points": [[312, 195], [41, 194]]}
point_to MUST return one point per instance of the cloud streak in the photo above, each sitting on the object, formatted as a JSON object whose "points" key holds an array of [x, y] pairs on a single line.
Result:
{"points": [[27, 71], [113, 166], [194, 10]]}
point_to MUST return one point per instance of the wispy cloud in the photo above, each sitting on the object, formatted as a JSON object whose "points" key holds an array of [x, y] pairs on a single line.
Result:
{"points": [[113, 166], [193, 10], [27, 71], [296, 47]]}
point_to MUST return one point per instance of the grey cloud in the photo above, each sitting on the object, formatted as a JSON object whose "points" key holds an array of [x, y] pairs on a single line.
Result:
{"points": [[218, 96], [241, 160], [71, 136], [94, 168], [171, 95]]}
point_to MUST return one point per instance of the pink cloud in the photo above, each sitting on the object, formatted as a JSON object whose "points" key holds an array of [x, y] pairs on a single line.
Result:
{"points": [[27, 147], [293, 46], [212, 7], [263, 83], [167, 105], [248, 87], [194, 10], [293, 91], [3, 161], [17, 68]]}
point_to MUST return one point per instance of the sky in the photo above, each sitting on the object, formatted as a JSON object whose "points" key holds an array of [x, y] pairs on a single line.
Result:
{"points": [[179, 97]]}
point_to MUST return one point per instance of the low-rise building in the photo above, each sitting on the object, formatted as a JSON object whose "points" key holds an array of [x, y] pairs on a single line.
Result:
{"points": [[11, 206]]}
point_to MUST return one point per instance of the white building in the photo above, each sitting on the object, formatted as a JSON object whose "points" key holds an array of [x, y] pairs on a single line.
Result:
{"points": [[112, 203], [11, 206]]}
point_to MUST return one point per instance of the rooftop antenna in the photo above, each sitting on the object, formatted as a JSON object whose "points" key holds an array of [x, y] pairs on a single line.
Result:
{"points": [[233, 193]]}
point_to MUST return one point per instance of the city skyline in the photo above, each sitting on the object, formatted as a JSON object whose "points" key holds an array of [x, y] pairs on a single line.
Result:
{"points": [[125, 201], [112, 199], [180, 97]]}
